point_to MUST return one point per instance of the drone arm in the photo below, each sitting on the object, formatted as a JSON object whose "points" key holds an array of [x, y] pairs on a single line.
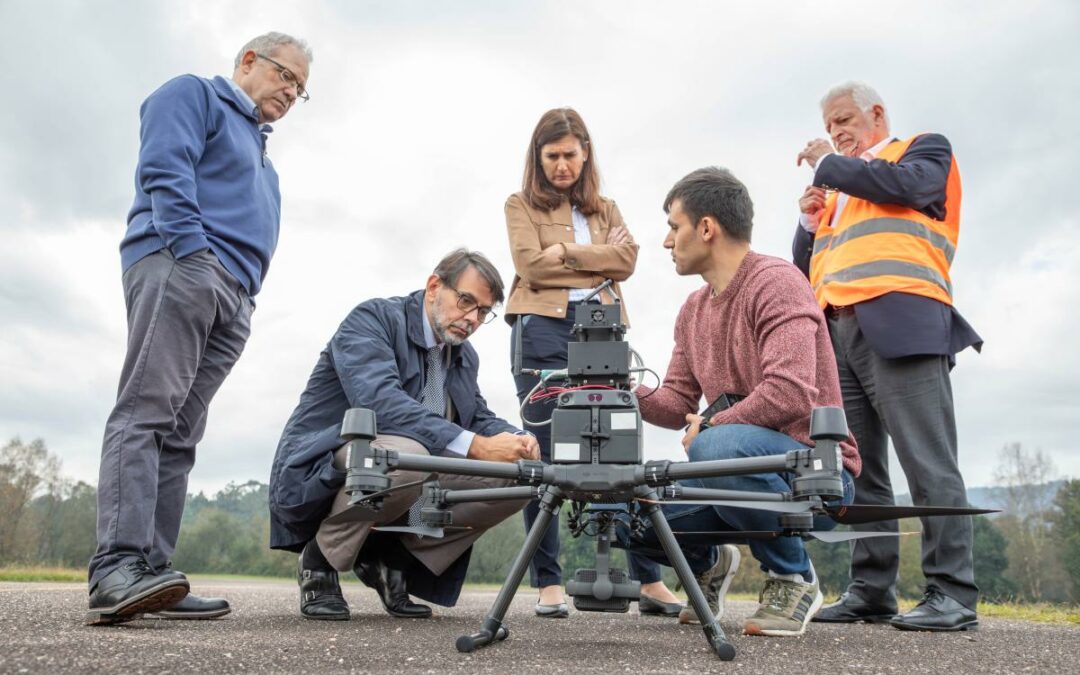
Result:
{"points": [[676, 492], [491, 494], [458, 466], [738, 466]]}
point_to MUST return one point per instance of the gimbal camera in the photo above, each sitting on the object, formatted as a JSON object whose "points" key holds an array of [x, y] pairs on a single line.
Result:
{"points": [[598, 466]]}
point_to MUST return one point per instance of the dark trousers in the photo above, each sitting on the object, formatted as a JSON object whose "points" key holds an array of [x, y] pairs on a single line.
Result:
{"points": [[910, 401], [188, 321], [543, 346]]}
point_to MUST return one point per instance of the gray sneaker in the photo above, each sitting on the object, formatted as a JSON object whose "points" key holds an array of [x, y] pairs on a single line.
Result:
{"points": [[785, 608], [714, 584]]}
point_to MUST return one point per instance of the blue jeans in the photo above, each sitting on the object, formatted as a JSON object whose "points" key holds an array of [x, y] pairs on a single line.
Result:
{"points": [[783, 555]]}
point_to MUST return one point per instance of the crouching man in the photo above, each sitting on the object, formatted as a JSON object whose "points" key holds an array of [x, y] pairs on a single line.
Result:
{"points": [[407, 358], [755, 334]]}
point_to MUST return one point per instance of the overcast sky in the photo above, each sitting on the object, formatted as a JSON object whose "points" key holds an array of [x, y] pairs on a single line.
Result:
{"points": [[416, 133]]}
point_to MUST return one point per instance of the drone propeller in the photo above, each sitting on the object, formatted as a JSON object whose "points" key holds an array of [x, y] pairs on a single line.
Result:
{"points": [[828, 537], [422, 530], [777, 507], [854, 514]]}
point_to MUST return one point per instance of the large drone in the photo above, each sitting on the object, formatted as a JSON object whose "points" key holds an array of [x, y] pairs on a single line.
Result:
{"points": [[598, 467]]}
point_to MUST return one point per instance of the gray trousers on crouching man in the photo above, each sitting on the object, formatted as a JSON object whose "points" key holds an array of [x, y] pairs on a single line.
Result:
{"points": [[341, 543], [188, 321]]}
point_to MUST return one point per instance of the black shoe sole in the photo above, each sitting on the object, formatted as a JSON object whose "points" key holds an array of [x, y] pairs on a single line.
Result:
{"points": [[327, 617], [872, 618], [192, 616], [151, 600], [400, 615], [969, 626]]}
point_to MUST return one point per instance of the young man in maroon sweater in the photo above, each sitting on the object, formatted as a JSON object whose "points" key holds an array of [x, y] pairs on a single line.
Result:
{"points": [[754, 331]]}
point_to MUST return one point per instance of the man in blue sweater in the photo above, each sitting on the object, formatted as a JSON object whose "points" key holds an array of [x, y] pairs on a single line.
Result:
{"points": [[199, 240]]}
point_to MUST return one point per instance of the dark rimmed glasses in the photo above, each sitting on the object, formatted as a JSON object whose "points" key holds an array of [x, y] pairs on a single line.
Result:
{"points": [[288, 78], [467, 303]]}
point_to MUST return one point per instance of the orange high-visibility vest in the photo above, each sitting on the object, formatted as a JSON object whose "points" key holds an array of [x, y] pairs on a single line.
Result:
{"points": [[874, 249]]}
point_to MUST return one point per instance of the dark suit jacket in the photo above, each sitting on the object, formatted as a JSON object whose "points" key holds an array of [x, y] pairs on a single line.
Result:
{"points": [[898, 324], [375, 360]]}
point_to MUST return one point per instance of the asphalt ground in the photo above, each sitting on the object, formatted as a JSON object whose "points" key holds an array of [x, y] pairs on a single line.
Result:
{"points": [[42, 631]]}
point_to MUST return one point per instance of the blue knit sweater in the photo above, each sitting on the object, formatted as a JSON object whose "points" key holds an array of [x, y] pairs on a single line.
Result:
{"points": [[204, 180]]}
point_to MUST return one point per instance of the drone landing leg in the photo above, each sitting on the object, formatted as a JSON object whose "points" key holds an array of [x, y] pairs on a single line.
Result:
{"points": [[493, 628], [713, 633]]}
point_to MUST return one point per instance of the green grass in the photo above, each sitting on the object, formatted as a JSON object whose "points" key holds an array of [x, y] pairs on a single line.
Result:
{"points": [[1040, 612], [36, 573]]}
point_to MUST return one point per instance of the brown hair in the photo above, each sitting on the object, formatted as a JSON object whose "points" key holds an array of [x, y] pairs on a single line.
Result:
{"points": [[454, 264], [539, 193]]}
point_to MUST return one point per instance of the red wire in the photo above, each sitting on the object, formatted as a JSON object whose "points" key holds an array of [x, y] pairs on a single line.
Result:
{"points": [[552, 392]]}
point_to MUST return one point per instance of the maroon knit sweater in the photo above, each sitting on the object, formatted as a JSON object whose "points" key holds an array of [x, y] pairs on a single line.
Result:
{"points": [[765, 338]]}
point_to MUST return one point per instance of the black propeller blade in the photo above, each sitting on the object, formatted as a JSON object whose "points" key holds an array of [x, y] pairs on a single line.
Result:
{"points": [[828, 537], [854, 514], [832, 537], [777, 507], [422, 530]]}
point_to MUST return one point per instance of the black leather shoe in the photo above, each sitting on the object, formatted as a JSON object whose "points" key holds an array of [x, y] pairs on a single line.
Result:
{"points": [[852, 608], [937, 612], [194, 607], [131, 590], [653, 607], [320, 594], [389, 583]]}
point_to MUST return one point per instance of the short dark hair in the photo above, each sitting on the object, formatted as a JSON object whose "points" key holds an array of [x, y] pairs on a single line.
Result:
{"points": [[715, 191], [451, 267], [554, 125]]}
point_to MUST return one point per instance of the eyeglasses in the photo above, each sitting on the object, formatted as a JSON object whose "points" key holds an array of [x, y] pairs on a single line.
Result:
{"points": [[288, 78], [467, 303]]}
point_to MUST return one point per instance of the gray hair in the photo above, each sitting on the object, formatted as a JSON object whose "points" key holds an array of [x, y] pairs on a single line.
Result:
{"points": [[271, 42], [451, 267], [864, 96]]}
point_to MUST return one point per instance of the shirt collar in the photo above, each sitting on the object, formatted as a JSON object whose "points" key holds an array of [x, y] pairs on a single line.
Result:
{"points": [[873, 152], [429, 334], [243, 96]]}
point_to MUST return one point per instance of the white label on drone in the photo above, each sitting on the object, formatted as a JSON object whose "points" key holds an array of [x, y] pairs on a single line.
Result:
{"points": [[622, 421], [367, 463], [817, 465], [567, 452]]}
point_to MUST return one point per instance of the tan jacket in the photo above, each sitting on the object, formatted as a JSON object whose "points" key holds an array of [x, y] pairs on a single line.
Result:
{"points": [[541, 287]]}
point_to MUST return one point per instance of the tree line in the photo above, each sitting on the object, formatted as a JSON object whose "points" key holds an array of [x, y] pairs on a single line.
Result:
{"points": [[1029, 552]]}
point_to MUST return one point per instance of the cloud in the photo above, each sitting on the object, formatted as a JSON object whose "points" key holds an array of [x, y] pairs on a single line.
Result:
{"points": [[416, 134]]}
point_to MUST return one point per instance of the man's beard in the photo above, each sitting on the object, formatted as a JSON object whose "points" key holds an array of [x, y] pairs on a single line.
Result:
{"points": [[442, 328]]}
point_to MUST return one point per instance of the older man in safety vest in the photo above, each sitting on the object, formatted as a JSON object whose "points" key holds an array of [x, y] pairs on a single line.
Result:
{"points": [[877, 236]]}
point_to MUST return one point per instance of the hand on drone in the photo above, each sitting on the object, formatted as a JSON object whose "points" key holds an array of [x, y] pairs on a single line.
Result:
{"points": [[504, 447]]}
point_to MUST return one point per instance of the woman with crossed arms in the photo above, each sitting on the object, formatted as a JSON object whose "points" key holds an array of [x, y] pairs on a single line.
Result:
{"points": [[566, 239]]}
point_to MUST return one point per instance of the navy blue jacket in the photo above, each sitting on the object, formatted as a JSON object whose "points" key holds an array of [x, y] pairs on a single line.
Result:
{"points": [[898, 324], [375, 360], [204, 180]]}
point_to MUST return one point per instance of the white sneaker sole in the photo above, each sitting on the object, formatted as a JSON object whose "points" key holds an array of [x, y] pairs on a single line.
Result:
{"points": [[752, 629]]}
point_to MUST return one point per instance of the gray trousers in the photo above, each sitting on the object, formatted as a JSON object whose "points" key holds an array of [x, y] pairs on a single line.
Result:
{"points": [[188, 321], [341, 543], [910, 401]]}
